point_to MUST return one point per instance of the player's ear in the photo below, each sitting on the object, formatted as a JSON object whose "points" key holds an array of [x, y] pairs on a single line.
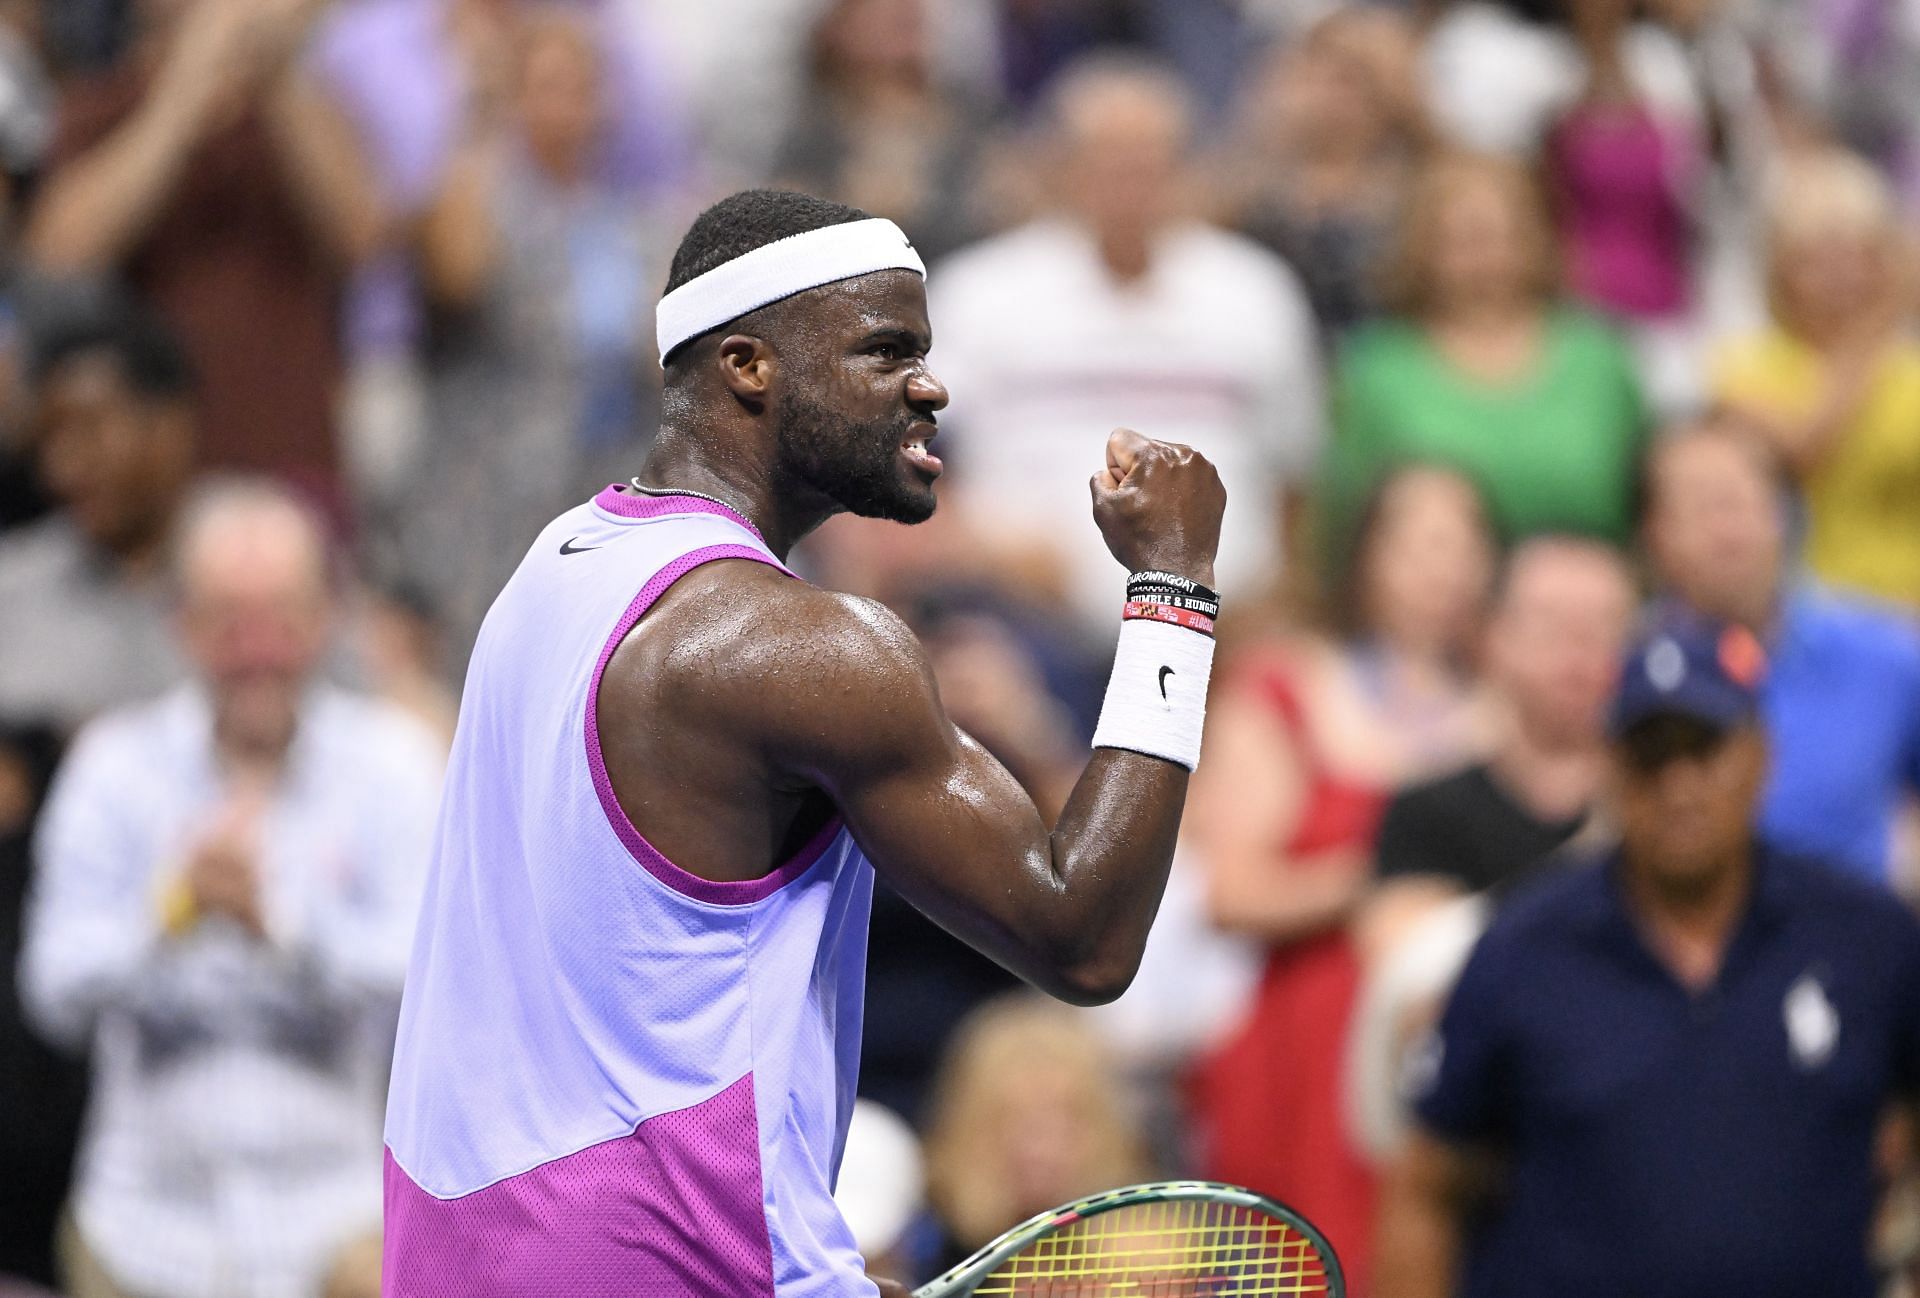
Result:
{"points": [[746, 367]]}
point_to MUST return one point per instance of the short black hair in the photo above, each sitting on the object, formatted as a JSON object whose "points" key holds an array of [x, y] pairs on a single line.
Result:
{"points": [[149, 355], [750, 219]]}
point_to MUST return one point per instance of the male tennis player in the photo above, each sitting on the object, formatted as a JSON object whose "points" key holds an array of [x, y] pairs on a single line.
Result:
{"points": [[631, 1027]]}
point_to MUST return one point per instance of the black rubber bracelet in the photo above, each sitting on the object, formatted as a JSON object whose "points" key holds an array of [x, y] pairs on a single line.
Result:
{"points": [[1172, 583]]}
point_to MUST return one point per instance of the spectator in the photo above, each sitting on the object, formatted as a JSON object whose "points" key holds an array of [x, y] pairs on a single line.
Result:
{"points": [[41, 1091], [404, 72], [540, 276], [209, 172], [1305, 744], [1116, 311], [1627, 175], [1842, 701], [1559, 625], [1318, 172], [1680, 1053], [226, 888], [879, 132], [1483, 370], [1834, 384], [1026, 1115], [86, 621], [1499, 73]]}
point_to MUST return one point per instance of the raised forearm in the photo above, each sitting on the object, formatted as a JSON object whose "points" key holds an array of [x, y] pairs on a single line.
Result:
{"points": [[326, 170], [458, 242], [96, 207]]}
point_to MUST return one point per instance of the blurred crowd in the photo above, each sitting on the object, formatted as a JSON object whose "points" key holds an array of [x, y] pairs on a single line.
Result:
{"points": [[1509, 324]]}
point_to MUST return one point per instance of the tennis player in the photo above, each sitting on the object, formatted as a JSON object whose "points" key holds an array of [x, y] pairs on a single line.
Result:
{"points": [[631, 1027]]}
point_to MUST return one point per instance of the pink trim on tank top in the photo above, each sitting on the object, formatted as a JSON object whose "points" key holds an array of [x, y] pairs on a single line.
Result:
{"points": [[625, 504], [676, 1206], [734, 893]]}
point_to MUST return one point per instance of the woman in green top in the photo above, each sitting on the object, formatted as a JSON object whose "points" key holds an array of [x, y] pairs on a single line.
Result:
{"points": [[1484, 371]]}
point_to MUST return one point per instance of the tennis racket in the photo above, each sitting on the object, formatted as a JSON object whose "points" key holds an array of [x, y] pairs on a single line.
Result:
{"points": [[1167, 1239]]}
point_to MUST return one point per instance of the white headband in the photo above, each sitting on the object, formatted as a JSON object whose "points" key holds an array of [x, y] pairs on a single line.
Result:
{"points": [[781, 269]]}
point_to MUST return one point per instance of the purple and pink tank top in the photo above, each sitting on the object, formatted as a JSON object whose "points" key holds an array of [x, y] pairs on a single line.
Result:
{"points": [[614, 1079]]}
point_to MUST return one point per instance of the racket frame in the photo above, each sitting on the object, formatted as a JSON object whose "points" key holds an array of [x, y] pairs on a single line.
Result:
{"points": [[963, 1279]]}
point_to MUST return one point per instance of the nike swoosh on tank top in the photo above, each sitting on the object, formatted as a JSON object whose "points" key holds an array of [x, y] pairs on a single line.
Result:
{"points": [[614, 1079]]}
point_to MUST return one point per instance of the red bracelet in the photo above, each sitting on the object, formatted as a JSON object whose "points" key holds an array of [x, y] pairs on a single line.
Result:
{"points": [[1186, 617]]}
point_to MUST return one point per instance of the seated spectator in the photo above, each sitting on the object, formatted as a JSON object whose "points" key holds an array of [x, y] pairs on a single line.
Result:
{"points": [[1307, 739], [1560, 620], [1842, 701], [1834, 384], [85, 626], [539, 368], [225, 894], [209, 172], [1664, 1073], [879, 132], [1319, 167], [1114, 312], [41, 1090], [1484, 370], [1026, 1115]]}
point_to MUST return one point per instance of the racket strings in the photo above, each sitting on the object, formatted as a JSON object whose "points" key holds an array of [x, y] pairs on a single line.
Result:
{"points": [[1171, 1249]]}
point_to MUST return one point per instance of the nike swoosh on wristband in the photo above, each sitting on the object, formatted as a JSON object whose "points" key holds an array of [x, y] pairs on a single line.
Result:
{"points": [[568, 547], [1164, 673]]}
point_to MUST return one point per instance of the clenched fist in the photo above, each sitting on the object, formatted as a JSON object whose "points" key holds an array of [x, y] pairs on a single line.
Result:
{"points": [[1158, 505]]}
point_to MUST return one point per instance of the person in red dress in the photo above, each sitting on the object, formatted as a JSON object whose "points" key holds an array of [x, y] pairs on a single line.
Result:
{"points": [[1312, 734]]}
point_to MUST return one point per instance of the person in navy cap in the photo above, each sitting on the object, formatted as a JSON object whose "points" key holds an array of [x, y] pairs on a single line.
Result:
{"points": [[1664, 1071]]}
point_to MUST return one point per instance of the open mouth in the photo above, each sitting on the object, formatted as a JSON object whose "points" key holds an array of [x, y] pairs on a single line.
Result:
{"points": [[917, 454]]}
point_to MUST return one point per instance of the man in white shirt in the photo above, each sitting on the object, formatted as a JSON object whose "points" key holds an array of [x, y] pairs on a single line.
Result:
{"points": [[1120, 310], [224, 898]]}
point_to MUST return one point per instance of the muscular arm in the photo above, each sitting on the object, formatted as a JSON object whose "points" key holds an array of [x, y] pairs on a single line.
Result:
{"points": [[951, 829], [787, 692]]}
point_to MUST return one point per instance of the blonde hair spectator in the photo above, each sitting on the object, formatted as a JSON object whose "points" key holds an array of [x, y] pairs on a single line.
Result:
{"points": [[1822, 199], [1026, 1114], [1834, 382]]}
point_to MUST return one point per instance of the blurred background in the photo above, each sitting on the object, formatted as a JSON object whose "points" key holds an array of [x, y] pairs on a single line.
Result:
{"points": [[1499, 319]]}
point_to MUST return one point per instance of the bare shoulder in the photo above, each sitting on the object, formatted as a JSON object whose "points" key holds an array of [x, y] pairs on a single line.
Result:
{"points": [[744, 647], [760, 618]]}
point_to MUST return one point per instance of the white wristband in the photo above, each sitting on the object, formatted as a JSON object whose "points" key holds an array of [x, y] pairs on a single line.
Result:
{"points": [[1157, 696]]}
